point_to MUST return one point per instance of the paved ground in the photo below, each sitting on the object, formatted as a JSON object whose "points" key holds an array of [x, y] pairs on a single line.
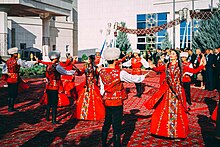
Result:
{"points": [[29, 128]]}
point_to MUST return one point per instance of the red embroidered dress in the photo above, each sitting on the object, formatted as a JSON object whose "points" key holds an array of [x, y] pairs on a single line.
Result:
{"points": [[68, 80], [170, 116], [89, 104]]}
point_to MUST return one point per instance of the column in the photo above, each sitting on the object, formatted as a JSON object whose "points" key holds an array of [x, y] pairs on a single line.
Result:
{"points": [[45, 35], [3, 33]]}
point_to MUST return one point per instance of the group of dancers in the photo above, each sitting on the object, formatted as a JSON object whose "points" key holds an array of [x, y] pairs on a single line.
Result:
{"points": [[101, 94]]}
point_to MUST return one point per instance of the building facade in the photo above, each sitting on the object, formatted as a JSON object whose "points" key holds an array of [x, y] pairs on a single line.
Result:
{"points": [[94, 15], [46, 25]]}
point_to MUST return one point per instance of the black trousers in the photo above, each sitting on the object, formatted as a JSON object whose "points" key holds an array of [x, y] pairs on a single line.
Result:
{"points": [[186, 86], [139, 88], [52, 103], [52, 97], [12, 93], [12, 90], [113, 116]]}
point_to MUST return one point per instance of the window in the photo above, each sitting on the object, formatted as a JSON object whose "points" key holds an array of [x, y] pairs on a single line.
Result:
{"points": [[22, 46], [185, 37], [13, 37], [141, 46], [148, 21], [67, 48], [141, 25], [54, 47], [141, 17], [141, 39], [67, 18]]}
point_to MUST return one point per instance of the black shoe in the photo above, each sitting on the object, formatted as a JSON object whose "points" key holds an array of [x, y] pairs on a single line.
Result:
{"points": [[55, 122], [104, 139], [12, 110], [117, 140], [137, 95]]}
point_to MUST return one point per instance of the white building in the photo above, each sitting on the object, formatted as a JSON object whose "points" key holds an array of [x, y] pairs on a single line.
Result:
{"points": [[94, 15], [45, 25]]}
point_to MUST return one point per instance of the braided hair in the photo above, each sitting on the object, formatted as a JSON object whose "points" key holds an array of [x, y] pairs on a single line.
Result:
{"points": [[179, 65]]}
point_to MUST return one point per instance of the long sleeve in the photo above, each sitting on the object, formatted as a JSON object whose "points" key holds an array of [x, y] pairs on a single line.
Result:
{"points": [[126, 77], [25, 64], [62, 71], [102, 91], [45, 63], [192, 70], [189, 73], [144, 63], [127, 64], [159, 68]]}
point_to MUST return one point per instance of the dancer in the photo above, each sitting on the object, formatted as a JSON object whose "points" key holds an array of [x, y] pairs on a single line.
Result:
{"points": [[12, 70], [89, 104], [68, 80], [170, 116], [53, 72], [113, 94], [136, 63], [186, 79]]}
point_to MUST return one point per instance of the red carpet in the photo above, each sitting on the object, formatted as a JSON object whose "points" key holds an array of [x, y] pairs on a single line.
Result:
{"points": [[29, 128]]}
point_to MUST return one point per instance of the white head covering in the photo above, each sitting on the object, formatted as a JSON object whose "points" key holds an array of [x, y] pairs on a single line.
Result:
{"points": [[111, 53], [13, 50], [63, 59], [136, 51], [54, 54], [184, 54], [97, 50]]}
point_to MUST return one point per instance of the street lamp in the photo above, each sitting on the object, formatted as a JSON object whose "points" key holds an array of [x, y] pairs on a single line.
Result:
{"points": [[181, 14], [185, 13]]}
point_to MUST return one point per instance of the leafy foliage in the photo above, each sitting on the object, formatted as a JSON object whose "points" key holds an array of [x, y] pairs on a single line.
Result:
{"points": [[166, 43], [35, 70], [122, 40], [84, 57], [208, 34]]}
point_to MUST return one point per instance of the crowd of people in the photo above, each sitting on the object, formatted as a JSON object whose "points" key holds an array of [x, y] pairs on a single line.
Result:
{"points": [[101, 95]]}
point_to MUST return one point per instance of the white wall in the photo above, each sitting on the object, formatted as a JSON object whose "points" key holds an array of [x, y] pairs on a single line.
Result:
{"points": [[29, 30], [95, 14]]}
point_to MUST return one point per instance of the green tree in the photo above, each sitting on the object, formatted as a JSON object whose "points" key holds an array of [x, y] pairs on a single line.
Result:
{"points": [[84, 57], [208, 34], [122, 40], [166, 43]]}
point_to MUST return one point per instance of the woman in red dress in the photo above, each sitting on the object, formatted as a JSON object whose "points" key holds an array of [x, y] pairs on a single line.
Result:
{"points": [[89, 105], [68, 81], [170, 116]]}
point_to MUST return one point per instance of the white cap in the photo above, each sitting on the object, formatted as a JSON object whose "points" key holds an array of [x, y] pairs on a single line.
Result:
{"points": [[13, 50], [184, 54], [136, 51], [97, 50], [111, 53], [63, 59], [54, 54]]}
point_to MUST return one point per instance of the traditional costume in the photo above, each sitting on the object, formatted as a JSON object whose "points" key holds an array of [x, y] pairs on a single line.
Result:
{"points": [[113, 95], [68, 80], [54, 85], [89, 104], [136, 63], [170, 116], [186, 79]]}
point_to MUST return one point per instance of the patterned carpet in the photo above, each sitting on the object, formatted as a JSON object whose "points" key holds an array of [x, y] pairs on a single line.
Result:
{"points": [[29, 128]]}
